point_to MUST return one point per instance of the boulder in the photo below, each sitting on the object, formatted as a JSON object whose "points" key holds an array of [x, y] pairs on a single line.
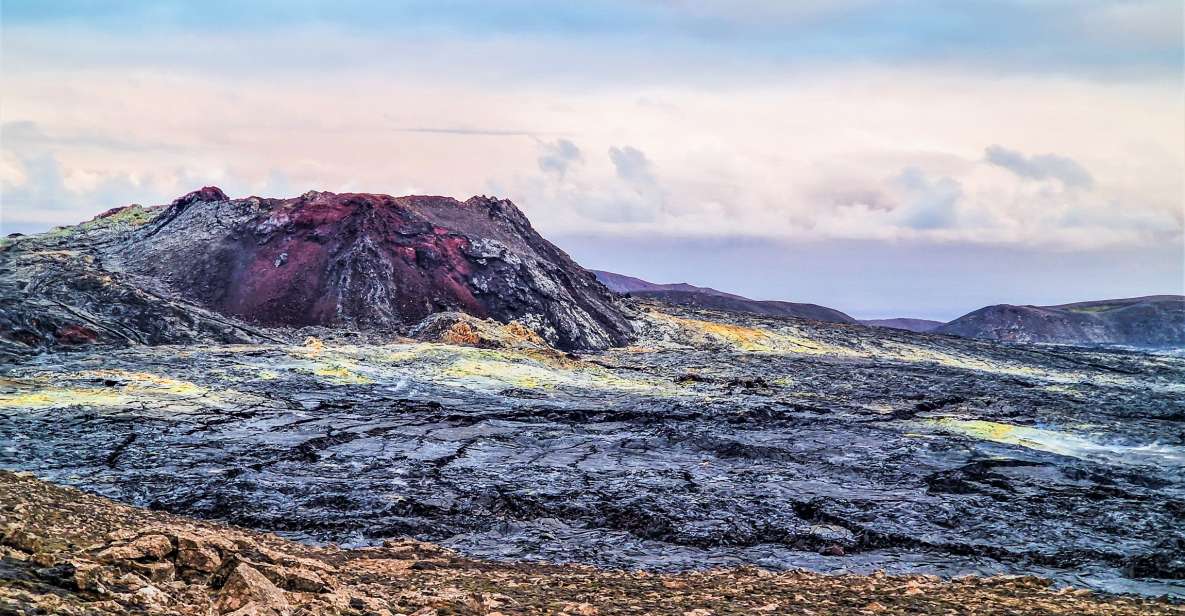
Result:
{"points": [[246, 586], [146, 547], [201, 553]]}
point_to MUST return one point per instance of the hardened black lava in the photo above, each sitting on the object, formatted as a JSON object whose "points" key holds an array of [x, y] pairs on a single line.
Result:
{"points": [[923, 453]]}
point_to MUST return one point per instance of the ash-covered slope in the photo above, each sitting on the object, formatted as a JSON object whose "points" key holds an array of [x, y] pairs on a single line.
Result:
{"points": [[683, 294], [1153, 321], [357, 261]]}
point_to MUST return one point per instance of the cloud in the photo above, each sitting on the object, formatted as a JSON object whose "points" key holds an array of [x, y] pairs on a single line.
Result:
{"points": [[834, 194], [26, 135], [930, 203], [687, 167], [43, 183], [633, 168], [1041, 166], [617, 193], [465, 131], [41, 187], [558, 156]]}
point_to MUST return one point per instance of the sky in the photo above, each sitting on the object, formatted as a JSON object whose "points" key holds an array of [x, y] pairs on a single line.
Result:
{"points": [[889, 158]]}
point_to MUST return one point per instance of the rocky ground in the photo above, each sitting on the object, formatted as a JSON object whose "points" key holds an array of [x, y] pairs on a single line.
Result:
{"points": [[719, 440], [66, 552]]}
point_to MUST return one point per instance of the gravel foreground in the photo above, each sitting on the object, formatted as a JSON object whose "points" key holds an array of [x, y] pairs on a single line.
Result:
{"points": [[63, 551]]}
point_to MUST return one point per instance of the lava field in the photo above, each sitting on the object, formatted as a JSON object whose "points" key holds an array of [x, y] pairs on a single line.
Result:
{"points": [[715, 439]]}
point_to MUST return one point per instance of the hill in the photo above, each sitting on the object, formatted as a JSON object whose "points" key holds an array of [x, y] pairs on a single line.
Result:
{"points": [[1154, 321], [683, 294]]}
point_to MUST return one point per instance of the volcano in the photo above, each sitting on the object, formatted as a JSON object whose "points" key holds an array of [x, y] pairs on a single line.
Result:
{"points": [[351, 261]]}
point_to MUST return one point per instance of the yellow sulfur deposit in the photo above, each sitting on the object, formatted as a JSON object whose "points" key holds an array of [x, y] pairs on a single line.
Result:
{"points": [[144, 381], [752, 339], [339, 372], [50, 398], [107, 388], [1061, 443]]}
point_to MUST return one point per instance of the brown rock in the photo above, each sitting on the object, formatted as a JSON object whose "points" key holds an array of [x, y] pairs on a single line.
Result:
{"points": [[197, 555], [150, 596], [121, 535], [247, 586], [280, 558], [302, 580], [85, 574], [222, 545], [369, 605], [252, 609], [159, 571], [199, 559], [130, 582], [154, 547], [43, 559], [15, 535]]}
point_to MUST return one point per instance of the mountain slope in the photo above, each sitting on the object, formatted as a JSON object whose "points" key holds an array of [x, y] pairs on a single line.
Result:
{"points": [[1152, 321], [684, 294]]}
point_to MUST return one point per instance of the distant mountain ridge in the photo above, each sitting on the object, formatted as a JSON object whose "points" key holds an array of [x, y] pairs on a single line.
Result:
{"points": [[705, 297], [1154, 321], [628, 284], [913, 325]]}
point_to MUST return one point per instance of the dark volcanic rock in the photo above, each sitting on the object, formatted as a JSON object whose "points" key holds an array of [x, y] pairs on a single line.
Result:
{"points": [[56, 294], [683, 294], [1154, 321]]}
